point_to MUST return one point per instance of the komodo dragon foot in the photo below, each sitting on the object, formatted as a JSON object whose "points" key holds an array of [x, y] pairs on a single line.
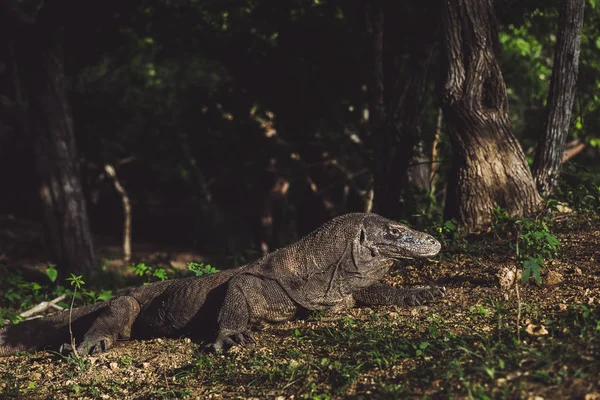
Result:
{"points": [[224, 342], [417, 296], [84, 348]]}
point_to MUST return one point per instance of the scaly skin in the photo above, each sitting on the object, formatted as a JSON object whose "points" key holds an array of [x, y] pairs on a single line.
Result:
{"points": [[335, 267]]}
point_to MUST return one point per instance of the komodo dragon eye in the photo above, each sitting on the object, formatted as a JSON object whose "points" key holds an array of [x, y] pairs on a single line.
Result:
{"points": [[395, 231]]}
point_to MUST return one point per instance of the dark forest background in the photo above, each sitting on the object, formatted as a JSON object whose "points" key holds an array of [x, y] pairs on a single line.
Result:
{"points": [[236, 125]]}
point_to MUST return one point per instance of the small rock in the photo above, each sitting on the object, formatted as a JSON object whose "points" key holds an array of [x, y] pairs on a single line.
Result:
{"points": [[592, 396], [562, 306], [536, 330], [506, 277], [578, 271], [563, 208], [113, 365], [553, 278]]}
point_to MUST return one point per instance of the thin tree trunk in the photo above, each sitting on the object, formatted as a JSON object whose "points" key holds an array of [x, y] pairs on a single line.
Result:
{"points": [[434, 151], [112, 173], [489, 167], [40, 59], [563, 84]]}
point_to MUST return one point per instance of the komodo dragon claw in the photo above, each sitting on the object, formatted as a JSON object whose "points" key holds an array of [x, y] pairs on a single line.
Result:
{"points": [[224, 342], [419, 295], [84, 349]]}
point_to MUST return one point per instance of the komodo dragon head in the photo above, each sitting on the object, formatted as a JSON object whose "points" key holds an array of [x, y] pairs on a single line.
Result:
{"points": [[394, 240]]}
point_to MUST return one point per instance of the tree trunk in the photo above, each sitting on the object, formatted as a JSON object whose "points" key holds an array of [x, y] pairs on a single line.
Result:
{"points": [[548, 157], [40, 57], [395, 134], [377, 121], [489, 168]]}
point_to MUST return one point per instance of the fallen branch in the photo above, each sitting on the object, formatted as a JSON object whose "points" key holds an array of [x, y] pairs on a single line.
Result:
{"points": [[43, 306]]}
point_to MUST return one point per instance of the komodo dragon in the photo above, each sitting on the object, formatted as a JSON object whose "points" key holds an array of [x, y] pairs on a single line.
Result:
{"points": [[335, 267]]}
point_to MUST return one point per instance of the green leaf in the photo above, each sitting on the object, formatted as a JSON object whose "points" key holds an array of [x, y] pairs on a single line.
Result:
{"points": [[552, 240], [52, 273], [536, 275], [105, 295], [450, 225], [530, 266]]}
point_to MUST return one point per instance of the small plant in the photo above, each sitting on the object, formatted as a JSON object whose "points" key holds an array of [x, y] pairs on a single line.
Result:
{"points": [[535, 245], [149, 272], [30, 386], [201, 269], [77, 282]]}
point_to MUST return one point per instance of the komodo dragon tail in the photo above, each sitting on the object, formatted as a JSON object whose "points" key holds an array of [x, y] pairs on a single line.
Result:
{"points": [[47, 332]]}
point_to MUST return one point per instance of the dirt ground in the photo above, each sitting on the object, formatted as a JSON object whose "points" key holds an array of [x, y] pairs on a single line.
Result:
{"points": [[463, 346]]}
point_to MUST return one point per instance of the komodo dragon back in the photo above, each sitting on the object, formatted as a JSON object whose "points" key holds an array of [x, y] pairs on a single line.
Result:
{"points": [[336, 266]]}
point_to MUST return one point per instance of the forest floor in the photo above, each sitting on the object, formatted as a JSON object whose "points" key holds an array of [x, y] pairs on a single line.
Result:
{"points": [[467, 345]]}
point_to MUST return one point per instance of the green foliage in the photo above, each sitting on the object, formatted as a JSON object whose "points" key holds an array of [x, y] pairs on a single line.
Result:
{"points": [[200, 269], [450, 235], [18, 294], [534, 244], [148, 272]]}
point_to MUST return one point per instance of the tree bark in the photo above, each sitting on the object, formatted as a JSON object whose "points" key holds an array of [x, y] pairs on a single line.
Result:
{"points": [[489, 168], [548, 157], [40, 59]]}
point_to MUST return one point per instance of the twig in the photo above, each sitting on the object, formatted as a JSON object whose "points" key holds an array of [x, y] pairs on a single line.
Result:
{"points": [[71, 324], [166, 379], [370, 194], [518, 295]]}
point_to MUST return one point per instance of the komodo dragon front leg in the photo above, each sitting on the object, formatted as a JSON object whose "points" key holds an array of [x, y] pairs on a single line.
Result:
{"points": [[250, 299], [384, 295], [114, 322]]}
